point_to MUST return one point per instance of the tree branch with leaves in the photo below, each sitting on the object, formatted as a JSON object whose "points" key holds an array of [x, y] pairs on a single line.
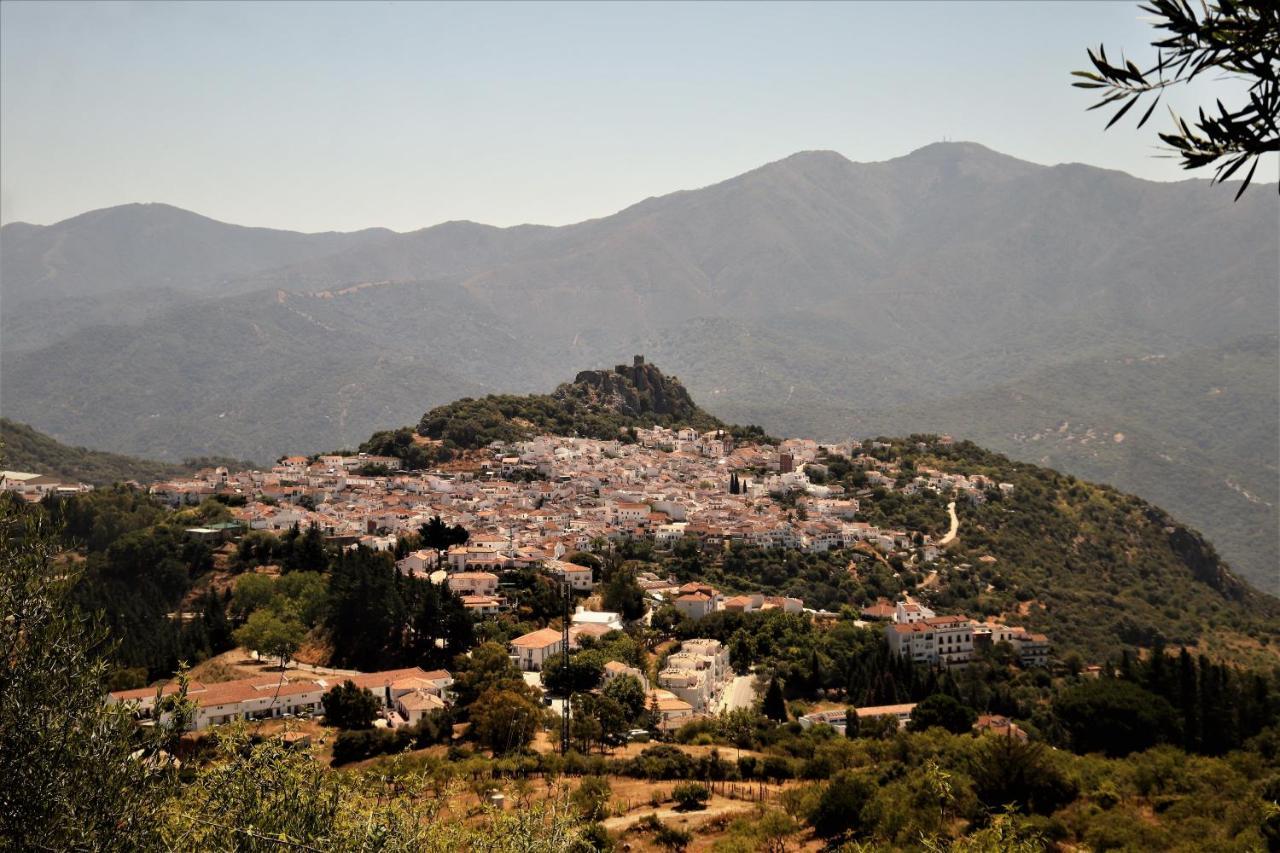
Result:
{"points": [[1237, 38]]}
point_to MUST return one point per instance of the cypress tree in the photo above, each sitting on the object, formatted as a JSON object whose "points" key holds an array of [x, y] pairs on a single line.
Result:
{"points": [[1157, 670], [775, 707], [1189, 700], [851, 722], [814, 680]]}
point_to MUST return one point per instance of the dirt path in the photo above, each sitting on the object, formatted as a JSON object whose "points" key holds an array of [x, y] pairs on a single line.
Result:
{"points": [[716, 807], [955, 525]]}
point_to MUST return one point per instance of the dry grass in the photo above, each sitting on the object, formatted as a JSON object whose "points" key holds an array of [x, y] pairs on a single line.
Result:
{"points": [[228, 666]]}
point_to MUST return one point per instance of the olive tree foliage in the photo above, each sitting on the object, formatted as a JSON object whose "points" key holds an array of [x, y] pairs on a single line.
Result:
{"points": [[77, 774], [80, 775], [1235, 38], [268, 797]]}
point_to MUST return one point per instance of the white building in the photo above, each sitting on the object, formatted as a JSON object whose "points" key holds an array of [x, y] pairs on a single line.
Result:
{"points": [[530, 651], [266, 696], [578, 577], [473, 583], [606, 618], [910, 612]]}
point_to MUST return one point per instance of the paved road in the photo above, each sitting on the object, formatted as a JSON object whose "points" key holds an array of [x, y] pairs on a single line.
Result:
{"points": [[955, 525], [740, 694]]}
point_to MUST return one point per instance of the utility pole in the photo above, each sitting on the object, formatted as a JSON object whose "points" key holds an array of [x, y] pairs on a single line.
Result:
{"points": [[567, 591]]}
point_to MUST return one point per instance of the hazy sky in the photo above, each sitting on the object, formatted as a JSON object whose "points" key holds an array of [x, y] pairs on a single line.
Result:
{"points": [[335, 116]]}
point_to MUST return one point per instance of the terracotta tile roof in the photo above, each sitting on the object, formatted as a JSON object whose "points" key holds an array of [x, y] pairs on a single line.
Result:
{"points": [[539, 639]]}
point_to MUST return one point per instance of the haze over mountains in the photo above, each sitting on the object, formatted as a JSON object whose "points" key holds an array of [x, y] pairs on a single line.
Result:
{"points": [[1115, 328]]}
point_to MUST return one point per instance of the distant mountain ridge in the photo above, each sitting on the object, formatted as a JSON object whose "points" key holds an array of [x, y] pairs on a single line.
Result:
{"points": [[813, 295]]}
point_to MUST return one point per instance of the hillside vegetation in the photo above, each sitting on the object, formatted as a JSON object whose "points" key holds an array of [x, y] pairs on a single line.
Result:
{"points": [[1095, 568], [25, 449], [976, 293], [597, 404]]}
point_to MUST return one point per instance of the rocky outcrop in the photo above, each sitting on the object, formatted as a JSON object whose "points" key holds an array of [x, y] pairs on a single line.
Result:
{"points": [[637, 390]]}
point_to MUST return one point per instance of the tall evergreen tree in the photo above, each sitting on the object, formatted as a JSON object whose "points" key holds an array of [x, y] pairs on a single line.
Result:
{"points": [[774, 706], [1189, 700], [852, 723]]}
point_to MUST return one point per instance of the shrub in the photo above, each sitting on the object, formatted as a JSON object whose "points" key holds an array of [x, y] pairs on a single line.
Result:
{"points": [[777, 768], [596, 837], [673, 838], [841, 806], [359, 744], [592, 798], [690, 796]]}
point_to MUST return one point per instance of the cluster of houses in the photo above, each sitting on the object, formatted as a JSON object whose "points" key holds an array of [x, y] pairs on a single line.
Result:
{"points": [[698, 673], [405, 694], [534, 502], [696, 600], [690, 684], [36, 487], [917, 632]]}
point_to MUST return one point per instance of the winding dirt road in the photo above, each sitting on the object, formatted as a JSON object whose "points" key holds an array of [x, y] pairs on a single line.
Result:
{"points": [[955, 525]]}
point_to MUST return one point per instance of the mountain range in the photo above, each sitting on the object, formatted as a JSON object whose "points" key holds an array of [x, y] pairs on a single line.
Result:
{"points": [[1115, 328]]}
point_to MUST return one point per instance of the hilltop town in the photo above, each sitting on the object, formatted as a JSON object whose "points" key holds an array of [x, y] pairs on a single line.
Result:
{"points": [[532, 505], [555, 582]]}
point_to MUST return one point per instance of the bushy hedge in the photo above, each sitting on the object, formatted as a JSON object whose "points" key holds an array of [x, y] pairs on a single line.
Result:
{"points": [[435, 727]]}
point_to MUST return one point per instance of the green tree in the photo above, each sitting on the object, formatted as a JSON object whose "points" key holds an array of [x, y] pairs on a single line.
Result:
{"points": [[271, 633], [350, 707], [591, 799], [367, 610], [667, 619], [775, 705], [739, 727], [622, 593], [629, 693], [1116, 717], [304, 594], [505, 720], [575, 673], [852, 723], [841, 806], [487, 668], [440, 537], [690, 796], [1231, 38], [944, 712], [1007, 771], [71, 781]]}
